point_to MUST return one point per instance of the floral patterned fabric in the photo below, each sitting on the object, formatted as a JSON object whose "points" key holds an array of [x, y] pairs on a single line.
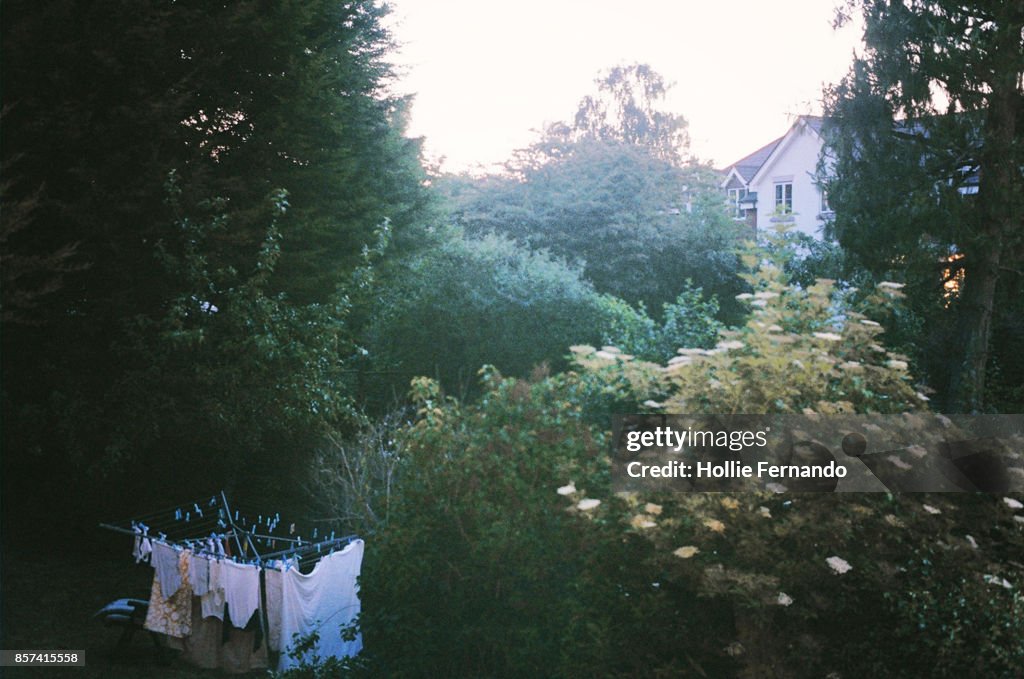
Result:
{"points": [[171, 616]]}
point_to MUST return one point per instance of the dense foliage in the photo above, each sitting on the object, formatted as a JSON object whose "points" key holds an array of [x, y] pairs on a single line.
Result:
{"points": [[615, 193], [223, 262], [110, 365], [487, 300], [924, 145], [506, 554]]}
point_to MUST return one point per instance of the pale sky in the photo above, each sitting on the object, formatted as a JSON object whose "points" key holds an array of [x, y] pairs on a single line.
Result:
{"points": [[486, 74]]}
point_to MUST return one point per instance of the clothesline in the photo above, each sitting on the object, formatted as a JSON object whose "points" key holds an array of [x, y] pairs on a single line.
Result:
{"points": [[252, 534], [224, 602]]}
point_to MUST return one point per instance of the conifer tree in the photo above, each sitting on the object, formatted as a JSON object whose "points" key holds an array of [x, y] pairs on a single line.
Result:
{"points": [[925, 152]]}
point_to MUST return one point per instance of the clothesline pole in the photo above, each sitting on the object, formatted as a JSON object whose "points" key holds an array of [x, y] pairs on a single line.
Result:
{"points": [[231, 522]]}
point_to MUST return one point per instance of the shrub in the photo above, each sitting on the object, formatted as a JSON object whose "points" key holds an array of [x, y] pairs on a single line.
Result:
{"points": [[506, 554]]}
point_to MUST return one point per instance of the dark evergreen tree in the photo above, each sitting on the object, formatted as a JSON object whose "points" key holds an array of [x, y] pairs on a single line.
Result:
{"points": [[925, 149], [237, 102]]}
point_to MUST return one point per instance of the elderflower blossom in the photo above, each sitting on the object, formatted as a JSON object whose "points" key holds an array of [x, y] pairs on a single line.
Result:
{"points": [[889, 285], [996, 580], [642, 521], [839, 565], [829, 336], [586, 504], [567, 489]]}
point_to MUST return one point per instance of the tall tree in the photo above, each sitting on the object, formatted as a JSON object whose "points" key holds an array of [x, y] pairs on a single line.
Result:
{"points": [[626, 109], [924, 145], [637, 225], [104, 100], [613, 192]]}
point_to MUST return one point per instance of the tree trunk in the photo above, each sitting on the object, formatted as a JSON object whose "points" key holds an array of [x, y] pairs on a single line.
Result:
{"points": [[999, 216], [967, 382]]}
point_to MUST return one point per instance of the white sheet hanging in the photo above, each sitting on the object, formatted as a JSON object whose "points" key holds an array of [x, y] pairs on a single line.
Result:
{"points": [[241, 583], [323, 602]]}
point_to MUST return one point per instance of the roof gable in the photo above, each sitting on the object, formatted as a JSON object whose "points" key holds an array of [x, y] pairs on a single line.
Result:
{"points": [[812, 123], [748, 166]]}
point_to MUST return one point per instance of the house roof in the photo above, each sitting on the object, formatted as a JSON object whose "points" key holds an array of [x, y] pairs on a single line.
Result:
{"points": [[748, 166], [812, 123]]}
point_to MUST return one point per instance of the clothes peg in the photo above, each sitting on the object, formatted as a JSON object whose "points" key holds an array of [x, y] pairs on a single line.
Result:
{"points": [[177, 514], [314, 533], [188, 517], [291, 529]]}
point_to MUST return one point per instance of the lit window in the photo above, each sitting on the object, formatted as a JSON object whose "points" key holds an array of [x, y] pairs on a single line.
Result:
{"points": [[784, 197]]}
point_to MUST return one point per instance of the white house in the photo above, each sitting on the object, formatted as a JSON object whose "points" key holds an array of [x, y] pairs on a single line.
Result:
{"points": [[776, 183]]}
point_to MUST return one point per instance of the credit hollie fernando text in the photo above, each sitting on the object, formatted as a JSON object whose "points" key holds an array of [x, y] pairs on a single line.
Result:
{"points": [[733, 470]]}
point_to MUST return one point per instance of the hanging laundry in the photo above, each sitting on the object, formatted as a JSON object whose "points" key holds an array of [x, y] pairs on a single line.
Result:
{"points": [[171, 615], [207, 648], [199, 574], [272, 582], [165, 560], [324, 601], [142, 547], [212, 603], [241, 583]]}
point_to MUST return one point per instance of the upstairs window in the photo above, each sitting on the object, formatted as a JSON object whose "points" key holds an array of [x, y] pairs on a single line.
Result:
{"points": [[784, 197]]}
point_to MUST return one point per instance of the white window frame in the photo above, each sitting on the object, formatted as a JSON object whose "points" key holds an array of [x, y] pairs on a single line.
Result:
{"points": [[824, 207], [735, 196], [781, 199]]}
